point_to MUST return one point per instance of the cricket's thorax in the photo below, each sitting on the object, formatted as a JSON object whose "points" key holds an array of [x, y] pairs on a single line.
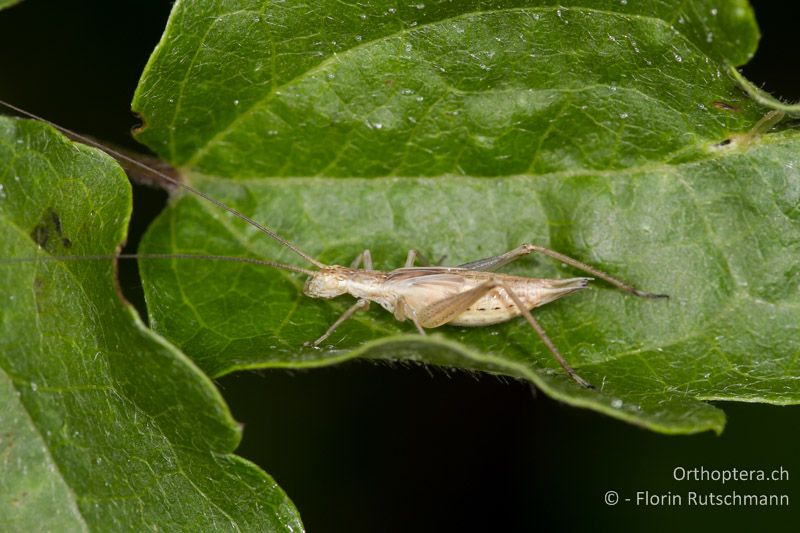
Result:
{"points": [[418, 287], [335, 280]]}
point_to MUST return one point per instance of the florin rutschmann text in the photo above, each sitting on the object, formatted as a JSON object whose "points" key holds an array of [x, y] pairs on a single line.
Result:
{"points": [[645, 498], [710, 498]]}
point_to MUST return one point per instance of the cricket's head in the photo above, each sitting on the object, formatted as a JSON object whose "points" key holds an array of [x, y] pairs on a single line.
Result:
{"points": [[328, 282]]}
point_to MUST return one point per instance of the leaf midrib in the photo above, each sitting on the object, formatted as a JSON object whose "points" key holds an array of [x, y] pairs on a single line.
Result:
{"points": [[775, 138]]}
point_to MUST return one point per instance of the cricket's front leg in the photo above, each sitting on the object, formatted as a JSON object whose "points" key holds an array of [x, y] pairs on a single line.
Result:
{"points": [[360, 305]]}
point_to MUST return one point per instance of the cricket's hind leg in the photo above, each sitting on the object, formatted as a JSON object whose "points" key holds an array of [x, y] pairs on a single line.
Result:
{"points": [[545, 339], [449, 308], [493, 263]]}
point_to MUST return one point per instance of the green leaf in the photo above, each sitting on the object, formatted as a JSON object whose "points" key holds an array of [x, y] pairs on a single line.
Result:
{"points": [[248, 89], [104, 425], [610, 132], [8, 3]]}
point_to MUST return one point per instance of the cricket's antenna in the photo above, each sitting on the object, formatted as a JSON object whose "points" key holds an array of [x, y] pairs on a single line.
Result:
{"points": [[106, 257], [164, 176]]}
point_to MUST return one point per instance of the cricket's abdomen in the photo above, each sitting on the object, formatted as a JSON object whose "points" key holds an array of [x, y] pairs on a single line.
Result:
{"points": [[426, 293], [497, 306], [494, 308]]}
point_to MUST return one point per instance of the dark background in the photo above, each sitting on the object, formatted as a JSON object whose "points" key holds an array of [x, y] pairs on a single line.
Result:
{"points": [[368, 447]]}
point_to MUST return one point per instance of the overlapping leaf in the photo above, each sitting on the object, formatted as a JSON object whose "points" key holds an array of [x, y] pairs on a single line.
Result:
{"points": [[8, 3], [103, 424], [605, 130], [252, 90]]}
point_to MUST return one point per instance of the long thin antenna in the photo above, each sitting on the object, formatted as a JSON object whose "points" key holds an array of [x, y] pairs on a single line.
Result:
{"points": [[162, 175], [107, 257]]}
